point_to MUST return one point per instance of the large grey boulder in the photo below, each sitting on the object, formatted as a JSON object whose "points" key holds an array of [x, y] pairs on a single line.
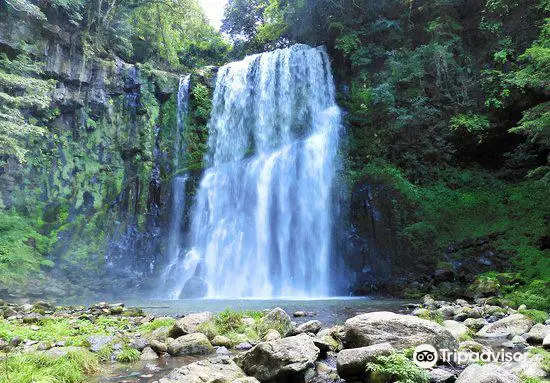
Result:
{"points": [[529, 366], [312, 326], [191, 344], [271, 335], [279, 320], [97, 342], [515, 324], [158, 346], [537, 333], [351, 362], [475, 323], [546, 342], [457, 329], [220, 369], [160, 334], [279, 360], [442, 375], [189, 323], [488, 373], [402, 331], [148, 354]]}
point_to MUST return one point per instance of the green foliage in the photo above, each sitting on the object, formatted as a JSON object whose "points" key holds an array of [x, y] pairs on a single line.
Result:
{"points": [[180, 35], [535, 295], [396, 367], [21, 93], [157, 323], [22, 249], [434, 316], [128, 355], [196, 131], [74, 367], [473, 124], [537, 316], [230, 323], [545, 360], [73, 333]]}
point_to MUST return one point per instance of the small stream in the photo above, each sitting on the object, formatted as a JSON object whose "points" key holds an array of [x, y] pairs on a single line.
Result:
{"points": [[329, 311]]}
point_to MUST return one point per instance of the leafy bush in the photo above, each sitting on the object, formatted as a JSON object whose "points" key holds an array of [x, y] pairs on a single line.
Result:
{"points": [[470, 123], [157, 323], [535, 295], [22, 249], [128, 355], [397, 368], [74, 367], [537, 316], [545, 357]]}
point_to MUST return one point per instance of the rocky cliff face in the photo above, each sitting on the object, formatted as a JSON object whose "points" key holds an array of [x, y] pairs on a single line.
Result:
{"points": [[96, 180]]}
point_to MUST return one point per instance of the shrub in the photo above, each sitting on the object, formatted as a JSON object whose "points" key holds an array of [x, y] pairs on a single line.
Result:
{"points": [[397, 367], [128, 355], [536, 295], [537, 316], [156, 324], [39, 367]]}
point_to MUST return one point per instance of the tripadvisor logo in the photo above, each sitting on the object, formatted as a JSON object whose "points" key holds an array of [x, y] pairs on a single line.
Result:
{"points": [[427, 356]]}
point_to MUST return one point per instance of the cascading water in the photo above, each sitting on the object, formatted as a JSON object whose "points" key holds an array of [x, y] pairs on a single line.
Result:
{"points": [[173, 271], [262, 218]]}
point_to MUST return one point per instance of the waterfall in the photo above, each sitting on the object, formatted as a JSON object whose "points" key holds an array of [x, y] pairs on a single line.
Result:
{"points": [[173, 272], [261, 223]]}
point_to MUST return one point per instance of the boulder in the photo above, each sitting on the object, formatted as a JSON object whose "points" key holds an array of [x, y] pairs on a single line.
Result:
{"points": [[515, 324], [402, 331], [271, 335], [529, 366], [221, 341], [312, 326], [188, 324], [475, 323], [191, 344], [148, 354], [139, 343], [471, 345], [326, 343], [442, 375], [220, 369], [537, 333], [280, 360], [458, 330], [160, 334], [351, 362], [194, 287], [158, 346], [248, 379], [32, 318], [97, 342], [222, 350], [546, 342], [279, 320], [446, 311], [244, 346], [488, 373]]}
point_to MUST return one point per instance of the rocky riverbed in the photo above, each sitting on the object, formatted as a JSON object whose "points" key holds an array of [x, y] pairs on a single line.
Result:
{"points": [[111, 342]]}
